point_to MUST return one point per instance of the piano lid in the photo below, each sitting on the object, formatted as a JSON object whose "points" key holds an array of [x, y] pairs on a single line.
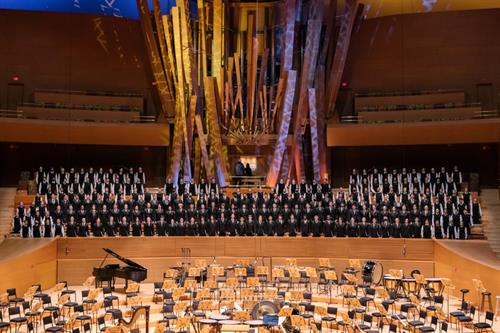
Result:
{"points": [[125, 260]]}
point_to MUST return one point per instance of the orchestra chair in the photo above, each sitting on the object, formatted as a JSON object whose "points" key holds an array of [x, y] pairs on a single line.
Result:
{"points": [[356, 305], [322, 313], [449, 287], [12, 296], [194, 273], [486, 325], [91, 299], [312, 277], [182, 324], [110, 313], [262, 272], [347, 320], [381, 313], [82, 320], [241, 274], [131, 291], [107, 294], [368, 298], [202, 307], [4, 326], [295, 276], [382, 293], [466, 320], [253, 282], [355, 265], [68, 291], [278, 276], [213, 287], [347, 292], [299, 323], [33, 313], [178, 293], [49, 327], [218, 273], [295, 297]]}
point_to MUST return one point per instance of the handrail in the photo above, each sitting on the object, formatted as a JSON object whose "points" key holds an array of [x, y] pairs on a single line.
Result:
{"points": [[478, 114], [91, 107], [404, 107], [90, 92], [406, 93]]}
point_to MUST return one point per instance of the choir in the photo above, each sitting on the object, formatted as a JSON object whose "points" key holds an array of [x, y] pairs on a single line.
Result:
{"points": [[377, 204]]}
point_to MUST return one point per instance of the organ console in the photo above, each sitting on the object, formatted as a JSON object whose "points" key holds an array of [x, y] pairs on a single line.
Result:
{"points": [[133, 271]]}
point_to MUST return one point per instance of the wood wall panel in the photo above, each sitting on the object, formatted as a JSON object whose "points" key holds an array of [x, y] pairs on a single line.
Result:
{"points": [[449, 97], [79, 132], [25, 262], [410, 133], [438, 50], [22, 267], [461, 270], [77, 257]]}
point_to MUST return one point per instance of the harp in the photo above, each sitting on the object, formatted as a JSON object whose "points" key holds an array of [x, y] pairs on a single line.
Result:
{"points": [[138, 312]]}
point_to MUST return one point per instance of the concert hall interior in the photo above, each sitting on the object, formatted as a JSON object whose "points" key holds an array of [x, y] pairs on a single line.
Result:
{"points": [[249, 166]]}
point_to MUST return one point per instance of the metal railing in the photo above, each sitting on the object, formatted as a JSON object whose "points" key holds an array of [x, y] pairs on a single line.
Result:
{"points": [[89, 107], [91, 92], [19, 114], [406, 92], [403, 107], [479, 114]]}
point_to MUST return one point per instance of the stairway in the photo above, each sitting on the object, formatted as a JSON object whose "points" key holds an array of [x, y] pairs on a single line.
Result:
{"points": [[7, 195], [490, 205]]}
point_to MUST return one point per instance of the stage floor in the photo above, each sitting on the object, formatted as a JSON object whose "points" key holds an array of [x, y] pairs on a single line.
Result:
{"points": [[147, 290]]}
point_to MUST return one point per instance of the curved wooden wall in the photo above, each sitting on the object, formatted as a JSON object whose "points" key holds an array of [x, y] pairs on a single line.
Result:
{"points": [[25, 262]]}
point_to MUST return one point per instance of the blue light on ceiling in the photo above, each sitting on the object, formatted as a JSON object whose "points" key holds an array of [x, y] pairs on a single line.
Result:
{"points": [[117, 8]]}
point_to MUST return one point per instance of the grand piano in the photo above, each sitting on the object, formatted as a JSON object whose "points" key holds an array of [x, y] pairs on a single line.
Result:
{"points": [[133, 271]]}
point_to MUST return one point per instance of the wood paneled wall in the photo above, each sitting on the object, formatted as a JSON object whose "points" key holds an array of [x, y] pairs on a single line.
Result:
{"points": [[77, 257], [461, 270], [26, 262], [20, 267], [414, 133], [81, 132]]}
